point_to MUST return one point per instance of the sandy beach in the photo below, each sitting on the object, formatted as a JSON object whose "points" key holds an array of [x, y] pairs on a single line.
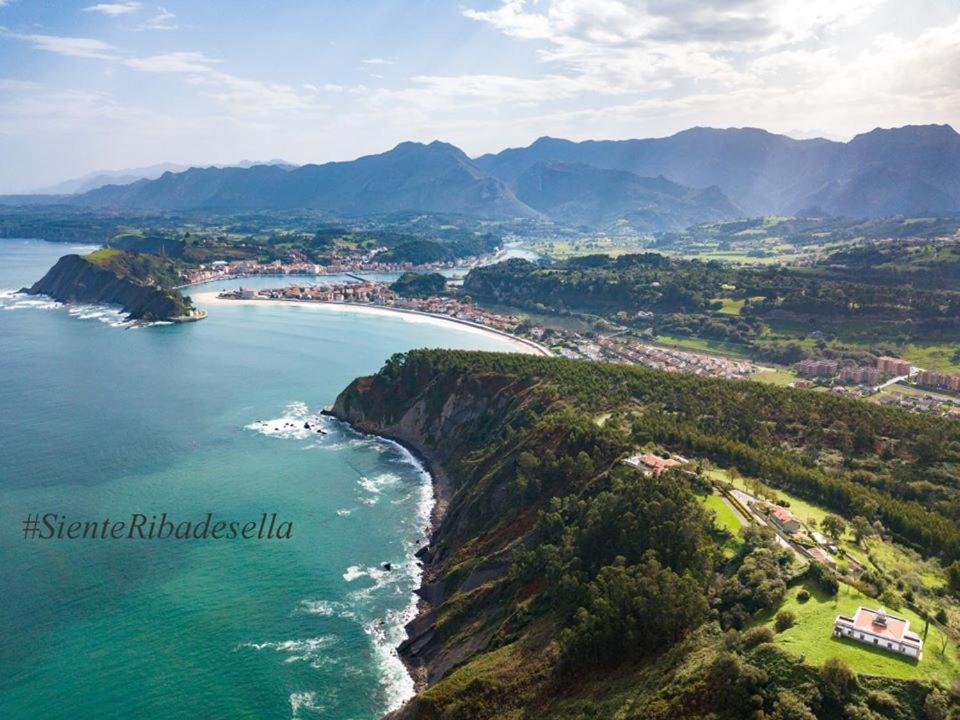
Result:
{"points": [[520, 344]]}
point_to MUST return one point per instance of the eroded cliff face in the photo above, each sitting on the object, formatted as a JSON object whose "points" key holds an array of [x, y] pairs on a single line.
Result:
{"points": [[74, 279], [445, 417]]}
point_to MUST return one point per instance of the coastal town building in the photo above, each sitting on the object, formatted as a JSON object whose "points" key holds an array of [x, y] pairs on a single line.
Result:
{"points": [[893, 366], [880, 629], [817, 368], [672, 360], [783, 518], [942, 381], [652, 464], [860, 375]]}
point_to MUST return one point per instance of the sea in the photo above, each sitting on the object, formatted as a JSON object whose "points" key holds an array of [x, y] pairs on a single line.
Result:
{"points": [[102, 421]]}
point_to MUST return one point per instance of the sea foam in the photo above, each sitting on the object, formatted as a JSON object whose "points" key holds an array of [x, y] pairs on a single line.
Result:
{"points": [[293, 424]]}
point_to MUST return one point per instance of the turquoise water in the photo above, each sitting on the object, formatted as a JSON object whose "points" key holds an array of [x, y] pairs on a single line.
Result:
{"points": [[98, 421]]}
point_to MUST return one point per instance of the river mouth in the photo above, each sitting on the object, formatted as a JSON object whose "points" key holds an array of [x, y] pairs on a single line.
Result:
{"points": [[103, 423]]}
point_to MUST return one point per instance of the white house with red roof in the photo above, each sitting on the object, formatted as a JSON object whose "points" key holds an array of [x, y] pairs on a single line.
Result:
{"points": [[784, 519], [880, 629]]}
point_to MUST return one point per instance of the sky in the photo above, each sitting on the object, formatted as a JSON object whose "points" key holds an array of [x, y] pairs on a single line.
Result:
{"points": [[88, 86]]}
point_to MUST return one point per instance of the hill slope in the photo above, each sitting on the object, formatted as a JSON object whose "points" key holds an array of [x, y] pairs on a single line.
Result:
{"points": [[548, 568]]}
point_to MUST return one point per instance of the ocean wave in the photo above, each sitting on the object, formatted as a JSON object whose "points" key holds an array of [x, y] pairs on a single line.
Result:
{"points": [[297, 423], [304, 700], [378, 482], [111, 315], [13, 300], [307, 650], [386, 635], [326, 608]]}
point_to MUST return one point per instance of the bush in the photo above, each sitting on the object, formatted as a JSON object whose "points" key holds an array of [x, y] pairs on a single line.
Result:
{"points": [[803, 595], [837, 681], [942, 617], [757, 636], [824, 578], [785, 620], [891, 599], [936, 706]]}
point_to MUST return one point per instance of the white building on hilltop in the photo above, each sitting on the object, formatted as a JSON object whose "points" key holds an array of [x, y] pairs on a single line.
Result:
{"points": [[878, 628]]}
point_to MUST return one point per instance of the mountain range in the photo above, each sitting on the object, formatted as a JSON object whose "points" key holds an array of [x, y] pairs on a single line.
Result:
{"points": [[99, 178], [697, 175]]}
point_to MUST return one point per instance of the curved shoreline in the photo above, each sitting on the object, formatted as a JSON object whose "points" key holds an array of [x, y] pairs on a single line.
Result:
{"points": [[524, 344], [442, 493]]}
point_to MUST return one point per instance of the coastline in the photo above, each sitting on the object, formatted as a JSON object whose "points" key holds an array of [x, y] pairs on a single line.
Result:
{"points": [[522, 344], [427, 592]]}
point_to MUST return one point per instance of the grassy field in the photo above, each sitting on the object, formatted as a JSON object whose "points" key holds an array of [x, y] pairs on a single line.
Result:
{"points": [[732, 306], [103, 256], [702, 345], [775, 376], [725, 518], [812, 637]]}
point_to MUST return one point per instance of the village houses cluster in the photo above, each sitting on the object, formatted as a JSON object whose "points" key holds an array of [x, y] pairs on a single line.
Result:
{"points": [[673, 360], [885, 367]]}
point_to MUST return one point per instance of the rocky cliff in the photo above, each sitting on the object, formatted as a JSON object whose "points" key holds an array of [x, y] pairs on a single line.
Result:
{"points": [[76, 279], [447, 417]]}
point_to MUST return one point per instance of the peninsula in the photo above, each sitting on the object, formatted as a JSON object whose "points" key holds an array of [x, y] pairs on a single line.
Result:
{"points": [[141, 284]]}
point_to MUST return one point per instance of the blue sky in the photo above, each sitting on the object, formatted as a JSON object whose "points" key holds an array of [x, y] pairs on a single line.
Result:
{"points": [[86, 86]]}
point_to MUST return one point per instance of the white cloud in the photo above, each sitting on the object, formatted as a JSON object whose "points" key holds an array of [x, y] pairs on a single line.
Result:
{"points": [[376, 61], [163, 20], [175, 62], [242, 96], [114, 9], [62, 45]]}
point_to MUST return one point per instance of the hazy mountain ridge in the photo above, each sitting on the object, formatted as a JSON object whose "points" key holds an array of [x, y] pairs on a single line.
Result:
{"points": [[912, 169], [603, 183], [101, 178], [430, 178], [579, 194]]}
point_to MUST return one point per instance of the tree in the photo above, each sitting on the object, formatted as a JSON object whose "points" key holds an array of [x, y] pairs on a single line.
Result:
{"points": [[833, 525], [953, 576], [862, 528]]}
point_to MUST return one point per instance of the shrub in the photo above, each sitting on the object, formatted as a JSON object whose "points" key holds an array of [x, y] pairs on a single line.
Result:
{"points": [[837, 681], [942, 616], [891, 599], [824, 578], [757, 636], [803, 595], [936, 706], [785, 620]]}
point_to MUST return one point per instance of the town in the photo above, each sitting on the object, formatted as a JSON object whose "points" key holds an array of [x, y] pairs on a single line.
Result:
{"points": [[296, 263], [615, 347], [891, 381]]}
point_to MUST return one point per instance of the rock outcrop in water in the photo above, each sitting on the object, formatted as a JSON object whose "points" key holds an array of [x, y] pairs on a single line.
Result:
{"points": [[76, 279]]}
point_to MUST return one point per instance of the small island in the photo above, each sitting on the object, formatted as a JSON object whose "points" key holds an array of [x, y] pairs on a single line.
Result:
{"points": [[142, 284]]}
